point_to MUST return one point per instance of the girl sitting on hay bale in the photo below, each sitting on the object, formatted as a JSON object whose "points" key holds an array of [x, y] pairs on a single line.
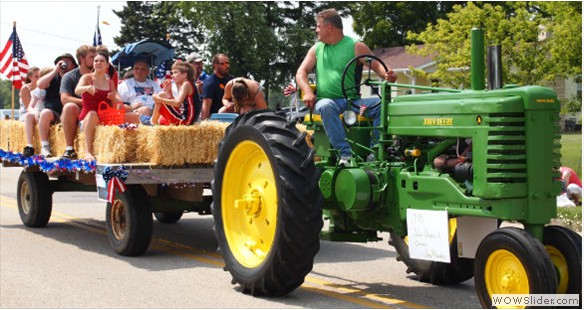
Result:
{"points": [[179, 110], [94, 88]]}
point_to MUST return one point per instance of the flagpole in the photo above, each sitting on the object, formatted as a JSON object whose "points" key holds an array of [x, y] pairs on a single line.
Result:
{"points": [[14, 27]]}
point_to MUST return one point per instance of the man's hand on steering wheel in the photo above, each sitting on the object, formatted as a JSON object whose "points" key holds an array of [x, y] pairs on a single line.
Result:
{"points": [[390, 76]]}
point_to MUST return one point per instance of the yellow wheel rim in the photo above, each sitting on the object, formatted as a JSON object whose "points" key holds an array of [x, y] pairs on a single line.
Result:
{"points": [[561, 266], [25, 198], [505, 274], [249, 204], [118, 219]]}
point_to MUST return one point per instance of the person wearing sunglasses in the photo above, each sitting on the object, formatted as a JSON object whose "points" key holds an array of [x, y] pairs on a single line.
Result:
{"points": [[214, 86]]}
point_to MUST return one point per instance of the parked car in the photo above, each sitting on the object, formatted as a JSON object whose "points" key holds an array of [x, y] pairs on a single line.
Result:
{"points": [[7, 114]]}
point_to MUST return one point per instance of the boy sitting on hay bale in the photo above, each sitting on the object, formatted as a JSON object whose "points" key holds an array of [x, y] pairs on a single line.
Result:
{"points": [[179, 110]]}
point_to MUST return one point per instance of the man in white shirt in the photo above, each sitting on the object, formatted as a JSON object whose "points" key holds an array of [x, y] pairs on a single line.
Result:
{"points": [[137, 92]]}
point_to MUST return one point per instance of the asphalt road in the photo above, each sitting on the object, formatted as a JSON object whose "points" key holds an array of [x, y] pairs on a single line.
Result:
{"points": [[69, 264]]}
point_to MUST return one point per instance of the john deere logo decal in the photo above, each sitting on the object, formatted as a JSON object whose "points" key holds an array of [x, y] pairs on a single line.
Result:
{"points": [[479, 120]]}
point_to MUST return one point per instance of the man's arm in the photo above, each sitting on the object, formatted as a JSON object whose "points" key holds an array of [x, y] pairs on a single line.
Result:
{"points": [[305, 68], [67, 90], [362, 49], [45, 81], [206, 108]]}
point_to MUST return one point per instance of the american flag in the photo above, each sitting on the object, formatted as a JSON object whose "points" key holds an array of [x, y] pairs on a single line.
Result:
{"points": [[13, 63], [161, 71], [362, 109], [97, 36]]}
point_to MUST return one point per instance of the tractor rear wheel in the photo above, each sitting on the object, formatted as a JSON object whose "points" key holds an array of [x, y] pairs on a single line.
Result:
{"points": [[437, 273], [510, 261], [266, 204]]}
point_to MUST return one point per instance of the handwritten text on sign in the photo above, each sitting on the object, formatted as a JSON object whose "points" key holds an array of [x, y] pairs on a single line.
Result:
{"points": [[428, 235]]}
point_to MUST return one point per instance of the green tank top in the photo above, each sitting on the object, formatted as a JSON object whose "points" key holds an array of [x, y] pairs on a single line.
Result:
{"points": [[330, 63]]}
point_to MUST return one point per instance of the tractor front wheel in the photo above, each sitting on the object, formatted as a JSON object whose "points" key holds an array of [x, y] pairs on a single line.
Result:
{"points": [[510, 261], [565, 249], [266, 204]]}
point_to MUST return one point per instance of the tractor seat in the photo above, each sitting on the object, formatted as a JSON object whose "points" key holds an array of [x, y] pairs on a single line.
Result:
{"points": [[316, 118]]}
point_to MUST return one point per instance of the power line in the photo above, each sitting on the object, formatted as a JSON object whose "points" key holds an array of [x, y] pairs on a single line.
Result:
{"points": [[45, 33]]}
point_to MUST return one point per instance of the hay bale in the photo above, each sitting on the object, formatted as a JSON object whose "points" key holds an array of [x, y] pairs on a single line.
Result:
{"points": [[57, 139], [14, 136], [112, 144], [4, 134], [155, 145], [180, 145]]}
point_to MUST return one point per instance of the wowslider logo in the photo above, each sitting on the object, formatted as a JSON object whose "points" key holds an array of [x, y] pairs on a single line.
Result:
{"points": [[535, 300]]}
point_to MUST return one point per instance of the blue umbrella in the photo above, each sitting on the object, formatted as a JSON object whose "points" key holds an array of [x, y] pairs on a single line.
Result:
{"points": [[153, 52]]}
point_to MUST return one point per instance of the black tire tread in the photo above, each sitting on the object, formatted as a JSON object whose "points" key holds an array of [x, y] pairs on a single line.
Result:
{"points": [[300, 200], [437, 273], [139, 217], [41, 204], [169, 217], [569, 243], [531, 252]]}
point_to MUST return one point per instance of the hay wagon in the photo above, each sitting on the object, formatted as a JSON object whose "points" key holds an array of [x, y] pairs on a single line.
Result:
{"points": [[139, 172]]}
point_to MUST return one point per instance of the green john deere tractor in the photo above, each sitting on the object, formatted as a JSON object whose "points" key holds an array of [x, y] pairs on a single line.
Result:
{"points": [[449, 167]]}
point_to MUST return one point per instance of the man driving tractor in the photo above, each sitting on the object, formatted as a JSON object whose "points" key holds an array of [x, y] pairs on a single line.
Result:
{"points": [[330, 55]]}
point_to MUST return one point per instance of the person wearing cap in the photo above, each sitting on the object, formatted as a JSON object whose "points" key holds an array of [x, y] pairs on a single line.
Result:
{"points": [[72, 103], [51, 83], [137, 91], [197, 62]]}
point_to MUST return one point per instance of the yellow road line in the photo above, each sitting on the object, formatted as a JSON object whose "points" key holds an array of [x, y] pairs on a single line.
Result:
{"points": [[311, 284], [350, 290]]}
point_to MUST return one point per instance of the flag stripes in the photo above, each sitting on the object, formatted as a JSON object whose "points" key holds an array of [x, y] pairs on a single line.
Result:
{"points": [[13, 63]]}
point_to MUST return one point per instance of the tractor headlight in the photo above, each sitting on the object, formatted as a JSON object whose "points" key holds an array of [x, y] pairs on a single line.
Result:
{"points": [[350, 117]]}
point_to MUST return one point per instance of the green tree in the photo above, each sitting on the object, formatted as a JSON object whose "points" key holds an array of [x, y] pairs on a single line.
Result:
{"points": [[154, 20], [6, 95], [516, 26], [266, 40], [385, 24]]}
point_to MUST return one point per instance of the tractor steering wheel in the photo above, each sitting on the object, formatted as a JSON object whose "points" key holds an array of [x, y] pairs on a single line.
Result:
{"points": [[357, 87]]}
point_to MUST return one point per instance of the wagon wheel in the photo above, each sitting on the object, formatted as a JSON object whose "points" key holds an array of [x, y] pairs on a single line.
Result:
{"points": [[438, 273], [510, 261], [35, 201], [129, 222], [266, 204], [169, 217], [565, 249]]}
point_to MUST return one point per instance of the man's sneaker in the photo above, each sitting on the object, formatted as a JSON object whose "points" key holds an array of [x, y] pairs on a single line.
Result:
{"points": [[46, 151], [69, 154], [346, 161], [28, 151]]}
